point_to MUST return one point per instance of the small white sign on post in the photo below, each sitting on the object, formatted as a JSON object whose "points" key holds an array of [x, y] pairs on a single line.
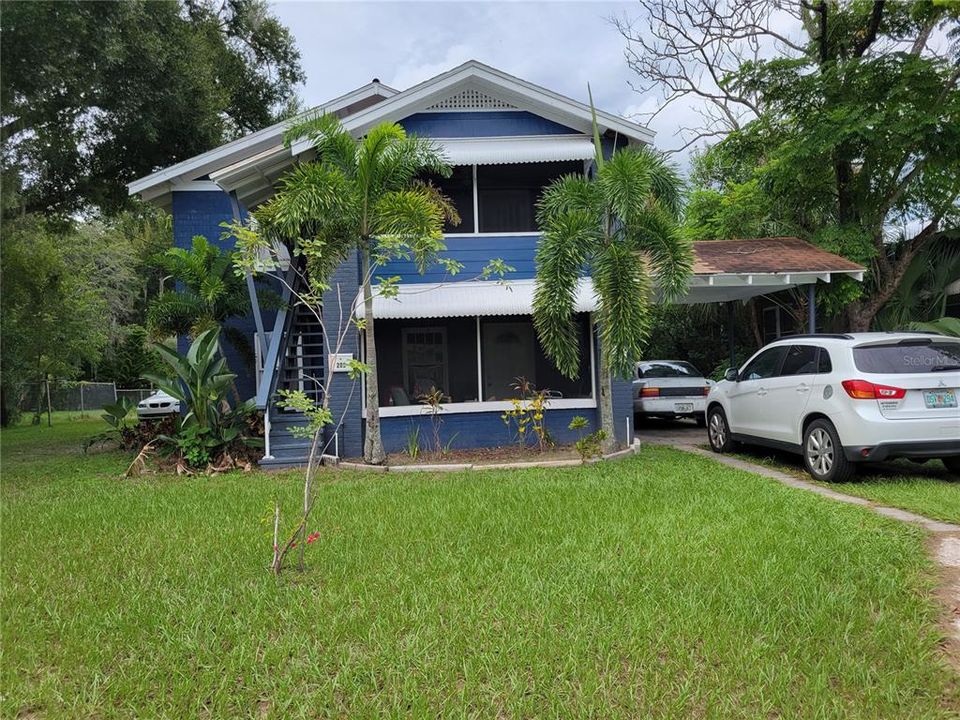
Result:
{"points": [[340, 362]]}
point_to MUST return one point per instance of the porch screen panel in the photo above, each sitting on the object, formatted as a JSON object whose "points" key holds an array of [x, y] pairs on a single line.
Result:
{"points": [[459, 190], [507, 195], [415, 355], [510, 351]]}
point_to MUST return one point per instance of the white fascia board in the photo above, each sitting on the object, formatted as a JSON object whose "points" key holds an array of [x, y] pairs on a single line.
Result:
{"points": [[524, 95], [253, 143], [775, 280]]}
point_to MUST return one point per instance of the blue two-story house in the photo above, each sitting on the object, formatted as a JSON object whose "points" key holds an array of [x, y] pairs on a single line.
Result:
{"points": [[506, 140]]}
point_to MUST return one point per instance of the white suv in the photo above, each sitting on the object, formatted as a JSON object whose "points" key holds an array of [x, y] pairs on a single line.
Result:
{"points": [[843, 399]]}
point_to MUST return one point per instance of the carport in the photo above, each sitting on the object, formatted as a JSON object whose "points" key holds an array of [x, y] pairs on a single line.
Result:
{"points": [[731, 271]]}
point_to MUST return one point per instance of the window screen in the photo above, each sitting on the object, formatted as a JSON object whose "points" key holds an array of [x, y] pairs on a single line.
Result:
{"points": [[507, 195], [459, 190], [510, 351]]}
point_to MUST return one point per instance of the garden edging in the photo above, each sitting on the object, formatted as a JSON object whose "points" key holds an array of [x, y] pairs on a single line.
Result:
{"points": [[460, 467]]}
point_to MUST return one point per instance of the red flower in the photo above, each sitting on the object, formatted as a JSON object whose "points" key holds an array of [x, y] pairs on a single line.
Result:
{"points": [[312, 537]]}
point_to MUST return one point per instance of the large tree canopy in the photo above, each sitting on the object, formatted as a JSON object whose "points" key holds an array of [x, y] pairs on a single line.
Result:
{"points": [[96, 94], [846, 133]]}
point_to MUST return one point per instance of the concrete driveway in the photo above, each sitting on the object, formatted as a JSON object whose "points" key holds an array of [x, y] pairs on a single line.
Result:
{"points": [[670, 432]]}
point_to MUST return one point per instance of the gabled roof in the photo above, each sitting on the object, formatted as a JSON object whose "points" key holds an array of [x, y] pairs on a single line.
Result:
{"points": [[262, 153], [474, 75], [157, 186]]}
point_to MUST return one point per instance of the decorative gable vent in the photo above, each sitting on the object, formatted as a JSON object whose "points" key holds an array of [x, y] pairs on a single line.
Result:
{"points": [[471, 100]]}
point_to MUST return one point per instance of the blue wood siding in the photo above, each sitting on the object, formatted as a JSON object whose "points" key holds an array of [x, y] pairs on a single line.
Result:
{"points": [[200, 213], [474, 252], [475, 430], [495, 123], [345, 394]]}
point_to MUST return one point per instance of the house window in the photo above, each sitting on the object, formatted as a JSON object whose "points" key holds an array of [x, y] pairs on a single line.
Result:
{"points": [[415, 355], [459, 189], [473, 361]]}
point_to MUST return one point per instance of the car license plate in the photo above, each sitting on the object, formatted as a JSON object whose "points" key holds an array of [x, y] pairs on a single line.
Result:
{"points": [[935, 399], [683, 407]]}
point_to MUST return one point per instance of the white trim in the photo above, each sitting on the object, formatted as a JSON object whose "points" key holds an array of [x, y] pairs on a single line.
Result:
{"points": [[481, 407], [252, 143], [476, 202], [479, 364], [524, 233], [196, 186]]}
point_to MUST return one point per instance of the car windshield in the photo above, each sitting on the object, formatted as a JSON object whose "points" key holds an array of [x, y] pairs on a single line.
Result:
{"points": [[922, 356], [667, 369]]}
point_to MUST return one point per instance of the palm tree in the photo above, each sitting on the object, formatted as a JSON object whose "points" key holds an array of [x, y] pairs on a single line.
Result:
{"points": [[622, 225], [210, 293], [360, 195]]}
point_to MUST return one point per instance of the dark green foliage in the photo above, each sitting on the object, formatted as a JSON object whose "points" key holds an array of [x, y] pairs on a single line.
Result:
{"points": [[623, 226], [127, 360], [96, 94], [54, 316], [856, 136], [200, 380], [210, 293]]}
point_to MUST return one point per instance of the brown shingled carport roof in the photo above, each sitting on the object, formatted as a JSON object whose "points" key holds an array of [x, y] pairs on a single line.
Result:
{"points": [[766, 255]]}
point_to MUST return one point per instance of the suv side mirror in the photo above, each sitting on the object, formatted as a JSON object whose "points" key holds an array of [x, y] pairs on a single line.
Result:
{"points": [[731, 375]]}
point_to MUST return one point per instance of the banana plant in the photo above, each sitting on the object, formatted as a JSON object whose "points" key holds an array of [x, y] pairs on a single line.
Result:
{"points": [[200, 379]]}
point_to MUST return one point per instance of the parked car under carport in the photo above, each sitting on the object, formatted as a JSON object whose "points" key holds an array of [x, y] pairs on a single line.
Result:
{"points": [[670, 389]]}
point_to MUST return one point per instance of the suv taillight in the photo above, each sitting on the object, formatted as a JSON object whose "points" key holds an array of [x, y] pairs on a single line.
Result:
{"points": [[865, 390], [706, 390]]}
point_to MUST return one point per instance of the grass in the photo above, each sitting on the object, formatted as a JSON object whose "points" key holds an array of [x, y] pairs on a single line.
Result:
{"points": [[926, 489], [662, 586]]}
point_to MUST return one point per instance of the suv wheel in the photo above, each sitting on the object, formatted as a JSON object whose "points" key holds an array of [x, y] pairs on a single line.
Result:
{"points": [[718, 431], [953, 464], [823, 454]]}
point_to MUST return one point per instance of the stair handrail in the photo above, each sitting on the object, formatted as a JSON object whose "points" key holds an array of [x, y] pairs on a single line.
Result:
{"points": [[281, 327]]}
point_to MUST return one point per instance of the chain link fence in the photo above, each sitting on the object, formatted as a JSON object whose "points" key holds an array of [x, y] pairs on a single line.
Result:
{"points": [[83, 397]]}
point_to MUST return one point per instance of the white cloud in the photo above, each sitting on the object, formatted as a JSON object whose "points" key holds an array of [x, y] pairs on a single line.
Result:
{"points": [[560, 45]]}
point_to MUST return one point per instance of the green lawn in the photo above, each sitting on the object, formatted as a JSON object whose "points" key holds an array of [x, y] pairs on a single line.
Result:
{"points": [[662, 586], [926, 489]]}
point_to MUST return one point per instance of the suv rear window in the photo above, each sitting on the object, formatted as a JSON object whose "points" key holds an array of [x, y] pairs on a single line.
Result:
{"points": [[667, 370], [909, 357]]}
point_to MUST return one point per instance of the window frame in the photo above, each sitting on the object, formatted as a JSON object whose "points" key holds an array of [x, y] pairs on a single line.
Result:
{"points": [[816, 360], [476, 212]]}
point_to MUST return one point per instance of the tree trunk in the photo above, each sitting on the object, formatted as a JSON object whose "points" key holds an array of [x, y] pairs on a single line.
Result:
{"points": [[609, 443], [373, 442]]}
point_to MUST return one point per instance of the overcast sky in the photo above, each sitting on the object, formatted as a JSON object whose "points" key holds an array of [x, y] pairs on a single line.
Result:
{"points": [[560, 45]]}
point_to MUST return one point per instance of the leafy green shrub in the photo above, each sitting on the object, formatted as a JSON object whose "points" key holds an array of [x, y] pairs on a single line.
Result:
{"points": [[211, 432], [588, 445]]}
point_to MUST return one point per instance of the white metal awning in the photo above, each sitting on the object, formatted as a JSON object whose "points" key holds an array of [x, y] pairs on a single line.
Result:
{"points": [[469, 298], [502, 150]]}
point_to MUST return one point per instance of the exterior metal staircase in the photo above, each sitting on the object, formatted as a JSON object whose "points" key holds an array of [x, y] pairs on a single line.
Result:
{"points": [[297, 363]]}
